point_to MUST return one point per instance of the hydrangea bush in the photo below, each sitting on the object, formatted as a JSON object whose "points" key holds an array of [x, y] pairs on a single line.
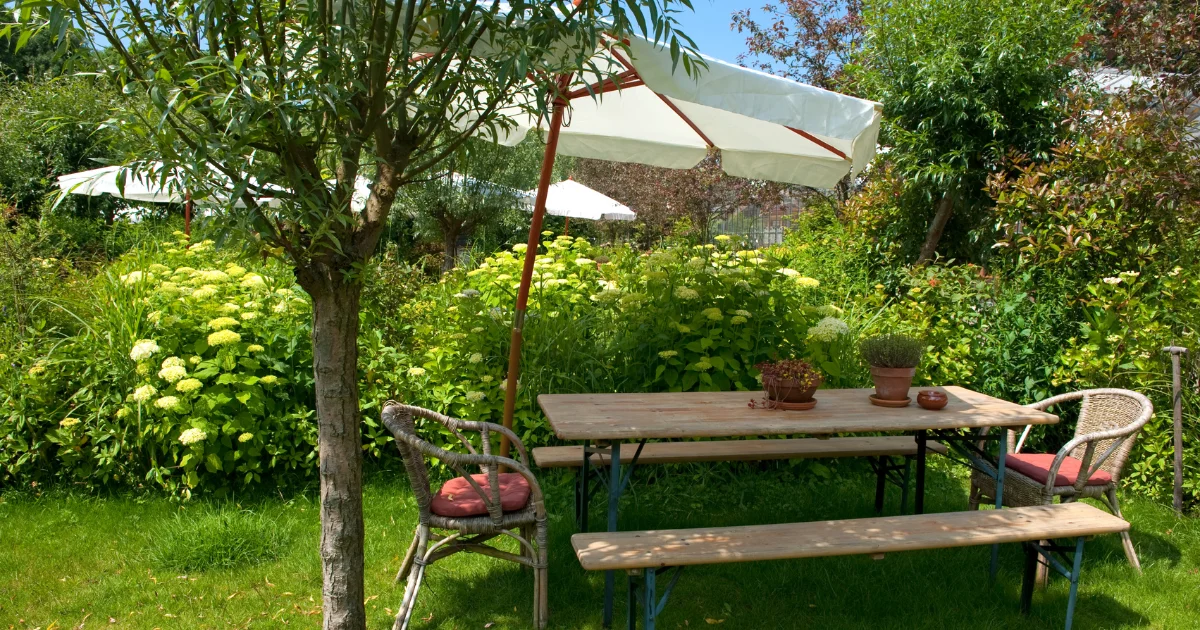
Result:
{"points": [[208, 378], [682, 318]]}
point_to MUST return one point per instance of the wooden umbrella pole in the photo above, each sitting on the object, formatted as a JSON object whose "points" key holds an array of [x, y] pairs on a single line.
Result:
{"points": [[187, 215], [535, 232]]}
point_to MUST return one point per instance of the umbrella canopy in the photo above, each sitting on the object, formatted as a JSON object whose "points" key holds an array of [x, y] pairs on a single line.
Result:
{"points": [[766, 127], [647, 110], [131, 185], [573, 200]]}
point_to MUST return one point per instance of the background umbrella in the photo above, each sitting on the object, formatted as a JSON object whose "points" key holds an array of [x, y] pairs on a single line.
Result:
{"points": [[572, 200]]}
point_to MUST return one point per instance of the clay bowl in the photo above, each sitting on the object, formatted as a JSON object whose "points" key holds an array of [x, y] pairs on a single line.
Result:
{"points": [[932, 399]]}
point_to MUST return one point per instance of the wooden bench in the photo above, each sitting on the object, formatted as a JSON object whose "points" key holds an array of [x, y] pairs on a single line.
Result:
{"points": [[881, 449], [642, 554]]}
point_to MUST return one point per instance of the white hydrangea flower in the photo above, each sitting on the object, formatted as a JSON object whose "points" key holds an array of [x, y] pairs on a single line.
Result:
{"points": [[254, 348], [144, 393], [269, 379], [1112, 280], [236, 271], [667, 354], [172, 362], [828, 329], [416, 371], [173, 373], [143, 349], [188, 385], [254, 281], [221, 323], [475, 396], [223, 337], [193, 435], [133, 277], [475, 358], [789, 272], [687, 294], [167, 402]]}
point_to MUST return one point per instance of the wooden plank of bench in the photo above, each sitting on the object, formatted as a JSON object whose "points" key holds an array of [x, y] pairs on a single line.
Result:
{"points": [[738, 450], [668, 548]]}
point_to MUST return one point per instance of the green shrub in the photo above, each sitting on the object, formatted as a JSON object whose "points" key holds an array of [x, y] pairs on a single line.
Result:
{"points": [[184, 368], [217, 538], [892, 351], [684, 318]]}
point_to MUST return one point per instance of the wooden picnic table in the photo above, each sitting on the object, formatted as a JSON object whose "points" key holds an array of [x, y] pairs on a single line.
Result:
{"points": [[605, 420]]}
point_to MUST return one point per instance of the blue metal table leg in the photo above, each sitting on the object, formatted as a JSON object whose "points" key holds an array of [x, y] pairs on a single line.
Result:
{"points": [[649, 600], [919, 498], [614, 495], [999, 497], [1075, 570]]}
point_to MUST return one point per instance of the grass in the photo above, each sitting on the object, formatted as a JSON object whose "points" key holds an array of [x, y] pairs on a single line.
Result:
{"points": [[223, 537], [71, 561]]}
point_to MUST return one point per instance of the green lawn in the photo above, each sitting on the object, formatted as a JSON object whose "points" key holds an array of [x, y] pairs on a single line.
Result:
{"points": [[69, 561]]}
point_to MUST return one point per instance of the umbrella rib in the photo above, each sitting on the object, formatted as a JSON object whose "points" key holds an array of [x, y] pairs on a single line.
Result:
{"points": [[664, 99], [821, 143]]}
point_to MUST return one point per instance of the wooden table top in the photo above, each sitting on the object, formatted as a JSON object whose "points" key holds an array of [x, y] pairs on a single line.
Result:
{"points": [[728, 414]]}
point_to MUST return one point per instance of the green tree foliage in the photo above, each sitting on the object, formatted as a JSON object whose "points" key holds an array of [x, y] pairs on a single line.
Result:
{"points": [[55, 127], [963, 83]]}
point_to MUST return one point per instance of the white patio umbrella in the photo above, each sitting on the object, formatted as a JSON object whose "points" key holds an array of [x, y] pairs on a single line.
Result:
{"points": [[652, 112], [572, 200]]}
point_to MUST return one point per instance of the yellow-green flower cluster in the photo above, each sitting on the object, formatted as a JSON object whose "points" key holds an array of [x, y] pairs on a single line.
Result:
{"points": [[713, 314], [144, 393], [221, 323], [269, 379], [188, 385], [223, 337]]}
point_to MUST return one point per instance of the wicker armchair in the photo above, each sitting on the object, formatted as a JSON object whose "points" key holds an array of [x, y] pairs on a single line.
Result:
{"points": [[480, 508], [1109, 421]]}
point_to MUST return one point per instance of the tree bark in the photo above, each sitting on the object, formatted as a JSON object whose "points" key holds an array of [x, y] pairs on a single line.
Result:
{"points": [[449, 250], [335, 367], [945, 208]]}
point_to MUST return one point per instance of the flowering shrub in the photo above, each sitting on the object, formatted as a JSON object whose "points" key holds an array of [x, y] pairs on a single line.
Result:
{"points": [[677, 319], [208, 378]]}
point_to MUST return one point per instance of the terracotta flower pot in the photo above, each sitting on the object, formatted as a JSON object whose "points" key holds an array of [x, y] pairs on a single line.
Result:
{"points": [[788, 390], [892, 383]]}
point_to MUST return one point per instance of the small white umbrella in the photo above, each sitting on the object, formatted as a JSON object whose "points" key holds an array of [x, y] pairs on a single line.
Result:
{"points": [[572, 200]]}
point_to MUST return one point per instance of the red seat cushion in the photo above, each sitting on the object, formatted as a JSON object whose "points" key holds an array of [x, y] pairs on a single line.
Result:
{"points": [[1036, 466], [457, 498]]}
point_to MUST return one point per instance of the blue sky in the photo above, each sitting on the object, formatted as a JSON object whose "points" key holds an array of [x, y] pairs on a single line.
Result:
{"points": [[709, 26]]}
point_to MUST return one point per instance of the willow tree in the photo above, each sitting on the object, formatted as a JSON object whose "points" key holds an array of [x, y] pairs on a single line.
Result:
{"points": [[297, 100]]}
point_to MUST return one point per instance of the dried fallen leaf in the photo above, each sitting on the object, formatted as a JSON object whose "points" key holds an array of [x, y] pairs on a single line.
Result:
{"points": [[489, 624], [713, 622]]}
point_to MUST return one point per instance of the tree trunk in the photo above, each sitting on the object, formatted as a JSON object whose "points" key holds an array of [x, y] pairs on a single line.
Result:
{"points": [[335, 367], [450, 250], [945, 207]]}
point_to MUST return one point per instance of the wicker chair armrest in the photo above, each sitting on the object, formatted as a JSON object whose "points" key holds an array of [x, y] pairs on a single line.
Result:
{"points": [[475, 425], [456, 425], [1090, 465]]}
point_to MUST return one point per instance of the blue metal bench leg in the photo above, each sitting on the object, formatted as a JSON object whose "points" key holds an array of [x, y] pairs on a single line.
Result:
{"points": [[646, 596], [1048, 550], [614, 495], [999, 498], [1075, 570]]}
